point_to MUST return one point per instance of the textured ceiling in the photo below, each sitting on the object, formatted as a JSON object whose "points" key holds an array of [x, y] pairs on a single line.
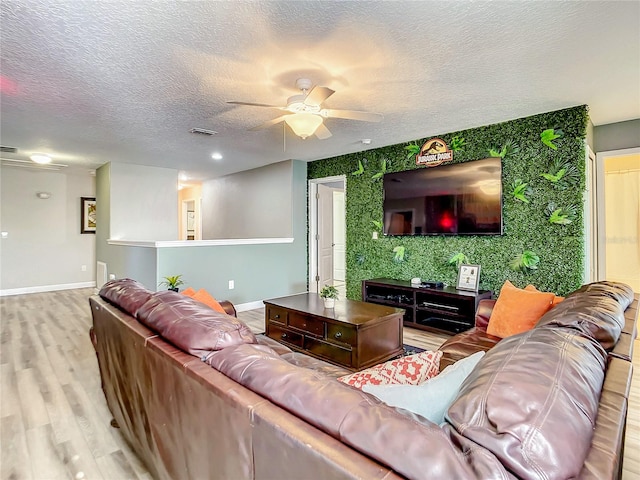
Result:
{"points": [[93, 82]]}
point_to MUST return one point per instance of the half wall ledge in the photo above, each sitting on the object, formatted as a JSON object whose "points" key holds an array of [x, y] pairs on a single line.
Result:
{"points": [[199, 243]]}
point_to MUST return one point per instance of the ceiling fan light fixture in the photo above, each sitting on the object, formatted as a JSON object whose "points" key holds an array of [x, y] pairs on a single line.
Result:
{"points": [[303, 124]]}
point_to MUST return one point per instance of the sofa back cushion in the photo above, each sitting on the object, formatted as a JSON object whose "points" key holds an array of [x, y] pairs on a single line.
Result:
{"points": [[483, 313], [596, 310], [533, 402], [413, 447], [192, 326], [126, 294], [620, 292]]}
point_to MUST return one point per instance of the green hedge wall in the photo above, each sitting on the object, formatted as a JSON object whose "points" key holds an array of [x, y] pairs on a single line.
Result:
{"points": [[526, 225]]}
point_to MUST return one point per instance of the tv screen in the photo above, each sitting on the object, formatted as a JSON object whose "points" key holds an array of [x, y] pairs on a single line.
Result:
{"points": [[455, 199]]}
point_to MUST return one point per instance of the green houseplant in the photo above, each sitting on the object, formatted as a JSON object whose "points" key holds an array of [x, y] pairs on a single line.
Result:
{"points": [[172, 282], [329, 293]]}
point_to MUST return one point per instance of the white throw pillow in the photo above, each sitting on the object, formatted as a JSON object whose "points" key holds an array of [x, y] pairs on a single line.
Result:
{"points": [[432, 398]]}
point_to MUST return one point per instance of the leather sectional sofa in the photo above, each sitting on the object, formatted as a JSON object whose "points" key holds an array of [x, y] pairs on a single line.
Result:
{"points": [[198, 396]]}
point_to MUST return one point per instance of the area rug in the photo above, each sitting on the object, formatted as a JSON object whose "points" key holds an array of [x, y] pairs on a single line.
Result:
{"points": [[410, 349]]}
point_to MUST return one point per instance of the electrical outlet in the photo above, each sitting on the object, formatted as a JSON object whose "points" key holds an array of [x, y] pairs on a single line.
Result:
{"points": [[83, 268], [232, 284], [5, 234]]}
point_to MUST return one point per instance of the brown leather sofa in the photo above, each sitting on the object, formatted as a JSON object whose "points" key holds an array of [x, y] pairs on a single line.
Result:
{"points": [[198, 396], [477, 339]]}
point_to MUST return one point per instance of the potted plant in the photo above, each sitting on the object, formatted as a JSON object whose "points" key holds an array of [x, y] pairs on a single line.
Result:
{"points": [[172, 283], [329, 293]]}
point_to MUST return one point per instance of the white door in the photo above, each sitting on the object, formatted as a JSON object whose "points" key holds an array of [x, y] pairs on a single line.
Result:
{"points": [[339, 237], [620, 197], [325, 235]]}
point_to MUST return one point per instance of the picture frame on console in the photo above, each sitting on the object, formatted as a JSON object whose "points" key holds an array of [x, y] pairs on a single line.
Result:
{"points": [[468, 277]]}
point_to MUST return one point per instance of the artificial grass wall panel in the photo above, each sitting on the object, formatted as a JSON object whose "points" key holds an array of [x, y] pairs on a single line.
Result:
{"points": [[560, 247]]}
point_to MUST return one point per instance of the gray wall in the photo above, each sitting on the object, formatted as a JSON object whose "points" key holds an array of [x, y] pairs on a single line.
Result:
{"points": [[259, 271], [144, 203], [251, 204], [44, 246], [617, 136], [123, 262]]}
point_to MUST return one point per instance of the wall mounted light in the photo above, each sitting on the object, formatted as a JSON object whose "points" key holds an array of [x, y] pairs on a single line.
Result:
{"points": [[43, 195], [216, 156], [40, 158]]}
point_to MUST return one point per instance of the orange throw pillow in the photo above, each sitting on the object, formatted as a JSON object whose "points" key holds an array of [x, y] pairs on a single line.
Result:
{"points": [[204, 297], [556, 298], [189, 292], [517, 310]]}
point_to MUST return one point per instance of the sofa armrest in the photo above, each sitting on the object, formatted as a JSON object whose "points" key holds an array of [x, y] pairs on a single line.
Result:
{"points": [[483, 313], [229, 308]]}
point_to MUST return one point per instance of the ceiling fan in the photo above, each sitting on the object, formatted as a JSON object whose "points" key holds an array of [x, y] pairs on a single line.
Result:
{"points": [[305, 114]]}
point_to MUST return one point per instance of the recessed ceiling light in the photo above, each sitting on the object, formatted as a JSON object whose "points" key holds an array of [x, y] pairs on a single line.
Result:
{"points": [[366, 141], [216, 156], [39, 158]]}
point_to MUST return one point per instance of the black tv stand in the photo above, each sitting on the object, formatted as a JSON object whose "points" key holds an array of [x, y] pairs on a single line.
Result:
{"points": [[443, 309]]}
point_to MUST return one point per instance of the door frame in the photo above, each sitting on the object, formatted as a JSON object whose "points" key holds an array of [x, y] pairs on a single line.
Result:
{"points": [[313, 225], [600, 237]]}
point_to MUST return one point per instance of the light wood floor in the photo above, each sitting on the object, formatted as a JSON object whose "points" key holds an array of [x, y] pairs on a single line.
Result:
{"points": [[54, 421]]}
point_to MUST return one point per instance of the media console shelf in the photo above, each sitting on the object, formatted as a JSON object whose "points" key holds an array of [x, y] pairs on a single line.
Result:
{"points": [[439, 309]]}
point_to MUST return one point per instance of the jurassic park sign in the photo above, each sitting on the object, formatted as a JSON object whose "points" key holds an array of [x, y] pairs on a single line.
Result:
{"points": [[434, 152]]}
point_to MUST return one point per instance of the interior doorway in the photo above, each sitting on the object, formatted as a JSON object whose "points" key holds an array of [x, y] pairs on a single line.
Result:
{"points": [[327, 234], [618, 216]]}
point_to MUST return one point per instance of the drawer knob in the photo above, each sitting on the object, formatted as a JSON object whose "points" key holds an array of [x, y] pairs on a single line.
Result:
{"points": [[283, 336], [276, 316], [304, 325], [338, 335]]}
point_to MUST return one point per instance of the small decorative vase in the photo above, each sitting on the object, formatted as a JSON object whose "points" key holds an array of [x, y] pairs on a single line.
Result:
{"points": [[329, 302]]}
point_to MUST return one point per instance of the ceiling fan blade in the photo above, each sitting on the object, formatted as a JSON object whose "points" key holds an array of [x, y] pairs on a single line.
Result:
{"points": [[352, 115], [254, 104], [269, 123], [317, 95], [322, 132]]}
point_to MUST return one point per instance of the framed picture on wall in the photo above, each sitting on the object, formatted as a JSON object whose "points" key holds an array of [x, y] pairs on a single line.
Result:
{"points": [[87, 215], [468, 277]]}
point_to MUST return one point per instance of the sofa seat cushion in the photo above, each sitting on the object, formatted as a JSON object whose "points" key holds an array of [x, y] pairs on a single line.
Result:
{"points": [[517, 310], [126, 294], [533, 402], [409, 370], [191, 325], [466, 343]]}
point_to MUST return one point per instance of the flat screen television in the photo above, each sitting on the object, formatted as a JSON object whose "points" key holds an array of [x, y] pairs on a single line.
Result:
{"points": [[454, 199]]}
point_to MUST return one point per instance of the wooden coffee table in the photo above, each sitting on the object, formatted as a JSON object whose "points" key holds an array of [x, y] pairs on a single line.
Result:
{"points": [[354, 335]]}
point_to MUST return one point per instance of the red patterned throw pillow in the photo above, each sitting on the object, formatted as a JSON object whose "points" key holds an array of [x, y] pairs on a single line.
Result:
{"points": [[410, 370]]}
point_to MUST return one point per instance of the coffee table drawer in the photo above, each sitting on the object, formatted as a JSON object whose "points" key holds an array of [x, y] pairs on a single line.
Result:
{"points": [[333, 353], [307, 324], [285, 336], [275, 314], [342, 334]]}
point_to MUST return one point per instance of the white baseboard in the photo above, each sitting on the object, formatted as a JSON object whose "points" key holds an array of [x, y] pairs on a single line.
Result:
{"points": [[46, 288], [243, 307]]}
